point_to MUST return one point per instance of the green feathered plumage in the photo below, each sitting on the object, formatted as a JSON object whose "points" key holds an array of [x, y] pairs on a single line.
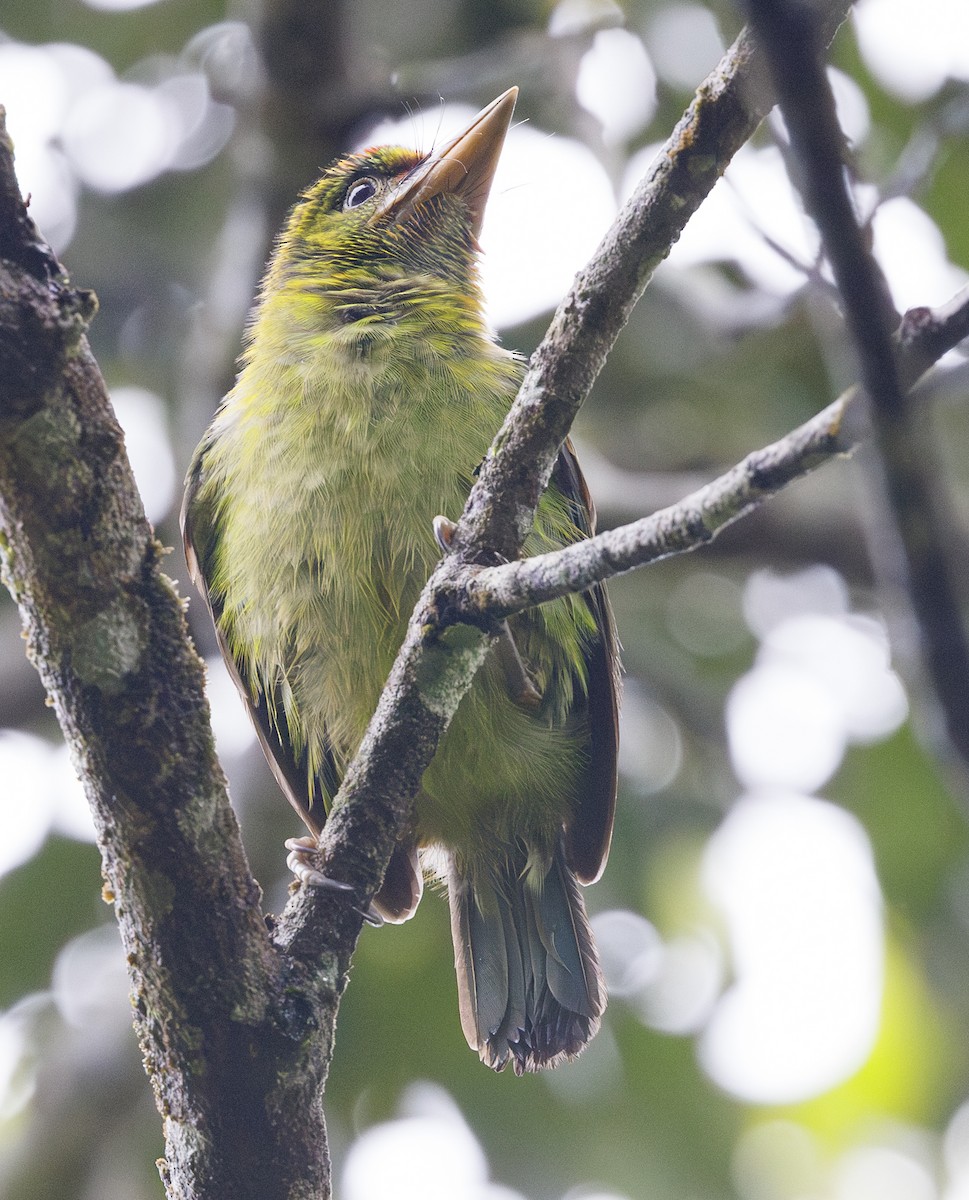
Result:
{"points": [[370, 391]]}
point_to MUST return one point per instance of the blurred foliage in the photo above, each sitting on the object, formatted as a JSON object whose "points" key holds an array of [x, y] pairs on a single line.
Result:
{"points": [[690, 388], [26, 960]]}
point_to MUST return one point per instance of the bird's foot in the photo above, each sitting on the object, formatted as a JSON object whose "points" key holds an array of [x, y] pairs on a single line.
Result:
{"points": [[301, 861]]}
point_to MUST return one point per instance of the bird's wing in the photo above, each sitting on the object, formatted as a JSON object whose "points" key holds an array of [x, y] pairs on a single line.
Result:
{"points": [[200, 537], [589, 834]]}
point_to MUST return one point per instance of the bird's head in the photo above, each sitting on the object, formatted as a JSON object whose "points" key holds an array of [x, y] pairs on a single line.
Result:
{"points": [[393, 213]]}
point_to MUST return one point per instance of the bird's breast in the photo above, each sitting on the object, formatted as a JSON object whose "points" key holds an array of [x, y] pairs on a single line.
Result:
{"points": [[337, 466]]}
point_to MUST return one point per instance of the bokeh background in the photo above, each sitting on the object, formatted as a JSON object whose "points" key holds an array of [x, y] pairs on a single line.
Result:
{"points": [[785, 917]]}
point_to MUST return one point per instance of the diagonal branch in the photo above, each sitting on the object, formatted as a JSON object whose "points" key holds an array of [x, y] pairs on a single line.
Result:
{"points": [[926, 335]]}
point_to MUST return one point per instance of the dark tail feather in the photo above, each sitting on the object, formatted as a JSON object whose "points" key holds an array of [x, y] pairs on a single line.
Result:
{"points": [[529, 984]]}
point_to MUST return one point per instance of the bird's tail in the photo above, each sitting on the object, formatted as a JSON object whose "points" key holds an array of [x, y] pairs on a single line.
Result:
{"points": [[529, 983]]}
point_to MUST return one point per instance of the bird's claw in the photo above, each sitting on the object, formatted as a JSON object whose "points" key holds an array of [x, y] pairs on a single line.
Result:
{"points": [[370, 915], [302, 852]]}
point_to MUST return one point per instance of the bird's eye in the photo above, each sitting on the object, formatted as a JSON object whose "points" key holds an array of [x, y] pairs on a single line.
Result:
{"points": [[360, 192]]}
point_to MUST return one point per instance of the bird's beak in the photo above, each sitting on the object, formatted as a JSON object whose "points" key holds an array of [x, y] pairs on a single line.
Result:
{"points": [[465, 167]]}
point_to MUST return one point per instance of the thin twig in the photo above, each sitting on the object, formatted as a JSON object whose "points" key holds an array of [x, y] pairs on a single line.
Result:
{"points": [[692, 522]]}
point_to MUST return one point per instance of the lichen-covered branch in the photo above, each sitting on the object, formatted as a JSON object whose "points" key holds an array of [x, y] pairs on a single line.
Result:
{"points": [[692, 522], [925, 335], [235, 1039]]}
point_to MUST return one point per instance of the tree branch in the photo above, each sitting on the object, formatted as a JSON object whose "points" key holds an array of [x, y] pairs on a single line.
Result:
{"points": [[229, 1032], [791, 37], [925, 335]]}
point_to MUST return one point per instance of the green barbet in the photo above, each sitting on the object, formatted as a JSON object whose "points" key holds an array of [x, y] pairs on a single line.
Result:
{"points": [[370, 391]]}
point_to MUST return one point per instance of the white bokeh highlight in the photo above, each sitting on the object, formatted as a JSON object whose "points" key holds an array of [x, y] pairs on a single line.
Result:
{"points": [[583, 1193], [882, 1173], [851, 106], [70, 811], [685, 43], [630, 951], [143, 417], [687, 985], [428, 1153], [118, 5], [540, 229], [913, 52], [24, 768], [770, 598], [850, 658], [955, 1154], [670, 985], [795, 880], [74, 122], [820, 682], [752, 201], [783, 728], [90, 984], [913, 255], [40, 86], [754, 219], [118, 136], [231, 725], [616, 83], [570, 17], [792, 874], [41, 793]]}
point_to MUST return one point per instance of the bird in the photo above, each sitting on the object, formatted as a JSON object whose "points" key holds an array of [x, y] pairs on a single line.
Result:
{"points": [[370, 388]]}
